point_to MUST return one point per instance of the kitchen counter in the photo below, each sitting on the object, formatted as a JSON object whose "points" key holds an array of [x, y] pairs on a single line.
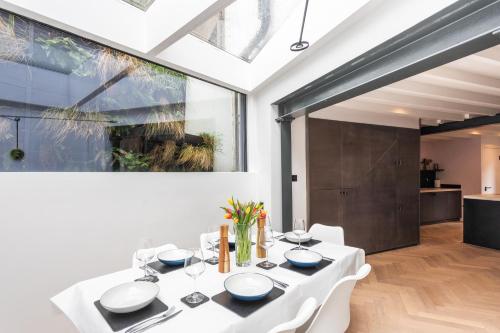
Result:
{"points": [[439, 189], [482, 220], [490, 197]]}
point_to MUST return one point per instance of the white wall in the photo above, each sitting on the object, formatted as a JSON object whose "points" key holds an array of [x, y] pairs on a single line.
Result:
{"points": [[60, 228], [461, 160]]}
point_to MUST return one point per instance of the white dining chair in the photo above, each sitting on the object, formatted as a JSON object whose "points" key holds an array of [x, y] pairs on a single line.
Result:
{"points": [[334, 315], [327, 233], [205, 245], [136, 263], [303, 315]]}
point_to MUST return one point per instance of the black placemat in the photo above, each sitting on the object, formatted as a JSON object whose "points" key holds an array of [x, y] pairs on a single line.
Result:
{"points": [[260, 265], [242, 308], [119, 321], [306, 270], [310, 243], [162, 268], [191, 305]]}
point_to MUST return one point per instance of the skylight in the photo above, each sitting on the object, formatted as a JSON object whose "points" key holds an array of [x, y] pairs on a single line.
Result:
{"points": [[244, 27], [141, 4]]}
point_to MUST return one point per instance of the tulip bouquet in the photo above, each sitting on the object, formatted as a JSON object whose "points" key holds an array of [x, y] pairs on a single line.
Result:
{"points": [[244, 216]]}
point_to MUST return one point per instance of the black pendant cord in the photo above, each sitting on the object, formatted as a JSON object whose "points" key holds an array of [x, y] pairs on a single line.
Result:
{"points": [[301, 44]]}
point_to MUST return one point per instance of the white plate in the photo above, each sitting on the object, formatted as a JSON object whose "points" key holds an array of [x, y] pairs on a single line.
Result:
{"points": [[129, 297], [303, 258], [293, 238], [174, 257], [248, 286]]}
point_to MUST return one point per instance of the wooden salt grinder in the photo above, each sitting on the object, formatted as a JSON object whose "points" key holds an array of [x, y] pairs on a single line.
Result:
{"points": [[261, 224]]}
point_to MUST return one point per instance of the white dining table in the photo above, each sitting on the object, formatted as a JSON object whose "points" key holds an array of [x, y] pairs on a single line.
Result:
{"points": [[77, 302]]}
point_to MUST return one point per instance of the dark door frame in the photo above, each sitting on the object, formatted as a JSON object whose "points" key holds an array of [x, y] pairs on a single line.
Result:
{"points": [[463, 28]]}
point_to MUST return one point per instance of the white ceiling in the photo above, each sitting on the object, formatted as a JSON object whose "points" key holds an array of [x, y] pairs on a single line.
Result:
{"points": [[468, 87]]}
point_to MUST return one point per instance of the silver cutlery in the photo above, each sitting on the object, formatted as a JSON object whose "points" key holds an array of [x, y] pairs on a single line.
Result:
{"points": [[160, 321], [166, 314], [280, 283]]}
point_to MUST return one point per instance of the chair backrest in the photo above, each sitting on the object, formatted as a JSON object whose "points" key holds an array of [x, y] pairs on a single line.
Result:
{"points": [[334, 315], [136, 263], [327, 233], [305, 312]]}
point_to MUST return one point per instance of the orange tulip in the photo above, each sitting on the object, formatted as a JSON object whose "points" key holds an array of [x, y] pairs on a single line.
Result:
{"points": [[228, 216], [236, 220], [263, 214]]}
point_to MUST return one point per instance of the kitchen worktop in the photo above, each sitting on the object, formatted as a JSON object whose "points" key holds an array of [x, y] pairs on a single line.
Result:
{"points": [[489, 197], [439, 189]]}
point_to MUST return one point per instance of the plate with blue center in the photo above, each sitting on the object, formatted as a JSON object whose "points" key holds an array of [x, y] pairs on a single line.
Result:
{"points": [[248, 287], [174, 257], [303, 258]]}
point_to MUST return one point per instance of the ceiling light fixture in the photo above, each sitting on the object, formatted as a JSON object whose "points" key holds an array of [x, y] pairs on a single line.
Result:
{"points": [[439, 121], [466, 116], [301, 44]]}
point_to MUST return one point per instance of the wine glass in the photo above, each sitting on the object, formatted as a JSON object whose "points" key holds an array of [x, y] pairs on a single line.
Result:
{"points": [[266, 242], [299, 229], [194, 266], [213, 240], [144, 253]]}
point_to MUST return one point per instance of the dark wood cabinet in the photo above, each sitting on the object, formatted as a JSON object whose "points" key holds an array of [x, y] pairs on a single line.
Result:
{"points": [[440, 206], [365, 178]]}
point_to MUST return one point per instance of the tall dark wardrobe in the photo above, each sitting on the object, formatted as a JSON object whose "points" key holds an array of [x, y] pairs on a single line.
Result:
{"points": [[365, 178]]}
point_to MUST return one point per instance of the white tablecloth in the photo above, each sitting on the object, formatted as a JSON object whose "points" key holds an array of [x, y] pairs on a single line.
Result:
{"points": [[77, 302]]}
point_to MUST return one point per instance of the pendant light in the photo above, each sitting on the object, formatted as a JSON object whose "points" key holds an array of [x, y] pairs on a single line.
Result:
{"points": [[301, 44]]}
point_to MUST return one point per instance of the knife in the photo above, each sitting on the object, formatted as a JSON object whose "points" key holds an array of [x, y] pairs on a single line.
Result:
{"points": [[160, 321]]}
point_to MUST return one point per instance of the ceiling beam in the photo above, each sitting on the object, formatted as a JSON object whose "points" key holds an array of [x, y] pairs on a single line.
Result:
{"points": [[427, 103], [459, 30], [458, 125], [179, 24], [440, 93], [382, 106]]}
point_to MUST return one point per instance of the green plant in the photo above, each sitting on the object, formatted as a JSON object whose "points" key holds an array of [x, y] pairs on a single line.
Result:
{"points": [[130, 160], [199, 158], [65, 53], [164, 121]]}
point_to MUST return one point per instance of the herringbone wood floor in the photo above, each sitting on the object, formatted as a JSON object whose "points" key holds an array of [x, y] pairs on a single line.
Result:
{"points": [[441, 285]]}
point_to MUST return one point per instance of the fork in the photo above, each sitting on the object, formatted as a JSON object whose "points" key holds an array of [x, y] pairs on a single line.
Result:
{"points": [[280, 283]]}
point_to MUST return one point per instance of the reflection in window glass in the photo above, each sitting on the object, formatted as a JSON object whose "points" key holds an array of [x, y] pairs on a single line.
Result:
{"points": [[68, 104], [244, 27]]}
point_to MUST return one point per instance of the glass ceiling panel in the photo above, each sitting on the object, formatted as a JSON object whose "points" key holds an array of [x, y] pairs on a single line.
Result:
{"points": [[244, 27]]}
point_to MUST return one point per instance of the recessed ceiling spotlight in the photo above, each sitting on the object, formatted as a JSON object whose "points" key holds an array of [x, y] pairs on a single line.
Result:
{"points": [[475, 133], [439, 121], [466, 116], [301, 44], [400, 111]]}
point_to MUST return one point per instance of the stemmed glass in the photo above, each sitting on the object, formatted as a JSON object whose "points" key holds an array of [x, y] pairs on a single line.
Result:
{"points": [[299, 229], [144, 253], [267, 241], [194, 266], [213, 239]]}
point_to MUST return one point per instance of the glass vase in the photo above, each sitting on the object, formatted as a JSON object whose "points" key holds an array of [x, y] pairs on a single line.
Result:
{"points": [[243, 244]]}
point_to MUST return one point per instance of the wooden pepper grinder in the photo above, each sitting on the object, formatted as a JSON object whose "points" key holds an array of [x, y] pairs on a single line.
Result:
{"points": [[261, 224], [224, 263]]}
